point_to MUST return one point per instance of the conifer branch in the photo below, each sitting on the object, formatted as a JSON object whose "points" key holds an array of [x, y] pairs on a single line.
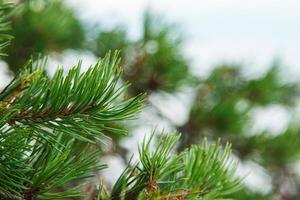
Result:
{"points": [[51, 117], [4, 27], [49, 125], [204, 171], [85, 102]]}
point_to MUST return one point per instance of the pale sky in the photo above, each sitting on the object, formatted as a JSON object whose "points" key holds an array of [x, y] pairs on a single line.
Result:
{"points": [[253, 32]]}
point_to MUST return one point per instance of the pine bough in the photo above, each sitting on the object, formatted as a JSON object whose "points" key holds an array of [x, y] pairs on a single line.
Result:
{"points": [[51, 129]]}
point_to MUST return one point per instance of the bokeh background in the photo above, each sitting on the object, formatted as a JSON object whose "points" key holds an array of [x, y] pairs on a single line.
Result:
{"points": [[224, 69]]}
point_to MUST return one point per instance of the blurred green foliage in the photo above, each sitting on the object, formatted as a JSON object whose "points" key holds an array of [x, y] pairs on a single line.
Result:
{"points": [[153, 62], [223, 109], [226, 97], [245, 194], [42, 26], [115, 39]]}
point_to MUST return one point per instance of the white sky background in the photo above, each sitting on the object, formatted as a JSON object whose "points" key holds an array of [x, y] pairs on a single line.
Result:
{"points": [[252, 32]]}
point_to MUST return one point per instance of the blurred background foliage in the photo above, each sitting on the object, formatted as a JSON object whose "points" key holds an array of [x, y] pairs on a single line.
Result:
{"points": [[42, 26], [225, 98], [151, 63]]}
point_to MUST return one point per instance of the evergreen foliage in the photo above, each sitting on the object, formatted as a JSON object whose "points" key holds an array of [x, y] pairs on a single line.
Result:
{"points": [[223, 107], [199, 172], [153, 62], [4, 27], [51, 129], [44, 120], [42, 26], [226, 98]]}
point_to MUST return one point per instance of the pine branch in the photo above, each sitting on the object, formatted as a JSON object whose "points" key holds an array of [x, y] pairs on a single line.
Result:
{"points": [[49, 125], [85, 102], [4, 196], [4, 27], [73, 164], [51, 118], [200, 172]]}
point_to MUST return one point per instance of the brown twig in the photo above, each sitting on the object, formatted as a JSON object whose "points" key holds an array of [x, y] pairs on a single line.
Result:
{"points": [[181, 194]]}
